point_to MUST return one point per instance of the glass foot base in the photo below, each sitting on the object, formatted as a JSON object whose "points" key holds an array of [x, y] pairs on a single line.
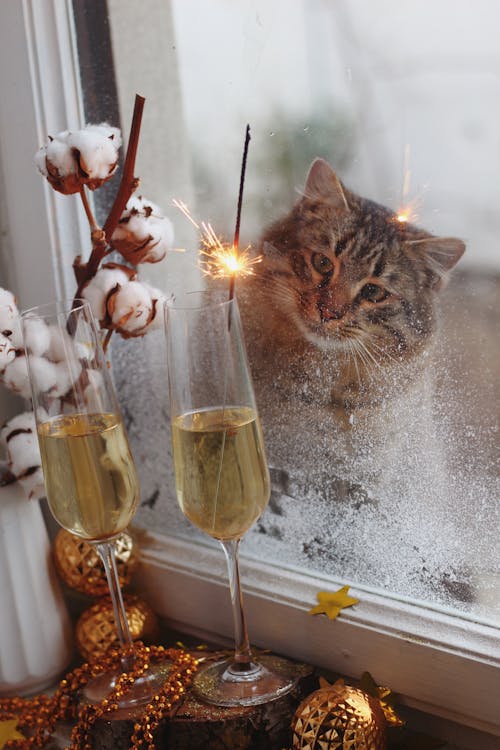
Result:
{"points": [[137, 696], [224, 684]]}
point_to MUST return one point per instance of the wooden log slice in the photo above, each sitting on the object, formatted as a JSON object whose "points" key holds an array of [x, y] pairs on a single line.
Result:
{"points": [[201, 726]]}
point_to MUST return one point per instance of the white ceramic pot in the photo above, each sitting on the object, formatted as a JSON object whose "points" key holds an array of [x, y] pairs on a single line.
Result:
{"points": [[35, 630]]}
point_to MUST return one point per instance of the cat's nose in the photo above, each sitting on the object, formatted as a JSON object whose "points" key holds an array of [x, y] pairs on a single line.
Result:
{"points": [[331, 311]]}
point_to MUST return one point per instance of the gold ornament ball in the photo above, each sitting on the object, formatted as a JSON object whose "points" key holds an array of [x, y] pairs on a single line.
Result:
{"points": [[80, 567], [95, 630], [339, 717]]}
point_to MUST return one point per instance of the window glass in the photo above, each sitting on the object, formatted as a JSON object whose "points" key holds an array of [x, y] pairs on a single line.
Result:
{"points": [[374, 348]]}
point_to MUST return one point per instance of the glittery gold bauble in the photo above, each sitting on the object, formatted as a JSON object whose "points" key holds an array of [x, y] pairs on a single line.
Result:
{"points": [[80, 567], [339, 717], [96, 629]]}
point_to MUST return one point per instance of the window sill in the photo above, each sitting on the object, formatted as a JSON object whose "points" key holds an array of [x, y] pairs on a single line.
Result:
{"points": [[438, 663]]}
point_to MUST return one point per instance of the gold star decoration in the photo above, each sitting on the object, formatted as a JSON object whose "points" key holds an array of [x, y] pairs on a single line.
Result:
{"points": [[331, 603], [385, 696], [8, 731]]}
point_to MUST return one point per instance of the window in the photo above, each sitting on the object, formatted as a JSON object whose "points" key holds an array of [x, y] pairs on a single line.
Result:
{"points": [[400, 99]]}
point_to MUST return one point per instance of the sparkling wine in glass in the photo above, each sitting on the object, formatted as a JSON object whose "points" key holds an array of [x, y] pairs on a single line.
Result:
{"points": [[90, 475], [221, 474]]}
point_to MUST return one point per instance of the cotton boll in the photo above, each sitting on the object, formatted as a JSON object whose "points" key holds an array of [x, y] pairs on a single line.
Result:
{"points": [[56, 153], [60, 343], [106, 131], [65, 354], [159, 302], [57, 163], [36, 336], [72, 159], [17, 335], [7, 352], [143, 235], [65, 378], [23, 453], [15, 377], [33, 484], [9, 314], [96, 297], [24, 422], [40, 160], [20, 438], [130, 308], [44, 374], [98, 152], [96, 291]]}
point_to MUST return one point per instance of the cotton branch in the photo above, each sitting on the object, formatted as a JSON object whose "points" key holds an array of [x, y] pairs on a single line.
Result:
{"points": [[129, 183]]}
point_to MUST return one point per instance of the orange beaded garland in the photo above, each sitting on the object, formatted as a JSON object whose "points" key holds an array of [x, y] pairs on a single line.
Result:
{"points": [[38, 716]]}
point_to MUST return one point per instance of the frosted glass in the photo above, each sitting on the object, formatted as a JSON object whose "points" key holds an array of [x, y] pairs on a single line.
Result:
{"points": [[403, 99]]}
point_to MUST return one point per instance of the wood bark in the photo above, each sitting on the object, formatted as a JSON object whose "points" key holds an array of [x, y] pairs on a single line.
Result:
{"points": [[200, 726]]}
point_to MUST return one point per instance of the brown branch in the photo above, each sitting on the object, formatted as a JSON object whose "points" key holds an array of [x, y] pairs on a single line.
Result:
{"points": [[107, 339], [101, 237], [88, 210], [128, 183]]}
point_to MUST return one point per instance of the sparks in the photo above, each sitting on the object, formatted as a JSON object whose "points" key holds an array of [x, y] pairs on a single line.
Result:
{"points": [[221, 261], [185, 210], [407, 212], [218, 259], [403, 215]]}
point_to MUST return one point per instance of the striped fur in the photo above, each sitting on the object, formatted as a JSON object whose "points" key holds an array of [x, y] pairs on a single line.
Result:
{"points": [[341, 274]]}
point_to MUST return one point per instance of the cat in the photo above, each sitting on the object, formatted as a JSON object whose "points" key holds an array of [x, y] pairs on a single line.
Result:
{"points": [[342, 315], [344, 282]]}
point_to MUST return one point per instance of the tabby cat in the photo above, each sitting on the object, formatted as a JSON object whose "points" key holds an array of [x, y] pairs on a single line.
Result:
{"points": [[342, 315]]}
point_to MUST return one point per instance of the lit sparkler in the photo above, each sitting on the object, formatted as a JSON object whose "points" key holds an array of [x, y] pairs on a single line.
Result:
{"points": [[219, 259], [407, 212]]}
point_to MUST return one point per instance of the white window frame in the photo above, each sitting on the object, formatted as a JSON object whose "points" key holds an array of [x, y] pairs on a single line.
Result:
{"points": [[41, 94], [438, 662]]}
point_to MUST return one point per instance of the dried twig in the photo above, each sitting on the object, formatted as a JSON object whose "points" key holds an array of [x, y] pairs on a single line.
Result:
{"points": [[101, 237]]}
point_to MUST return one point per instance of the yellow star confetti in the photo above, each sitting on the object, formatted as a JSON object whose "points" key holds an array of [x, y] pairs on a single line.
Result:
{"points": [[8, 731], [332, 603]]}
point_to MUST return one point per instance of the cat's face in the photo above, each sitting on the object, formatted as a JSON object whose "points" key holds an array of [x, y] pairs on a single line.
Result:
{"points": [[348, 275]]}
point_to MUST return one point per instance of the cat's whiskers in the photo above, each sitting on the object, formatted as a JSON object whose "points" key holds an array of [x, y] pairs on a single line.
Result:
{"points": [[369, 353], [383, 351], [354, 358], [288, 296], [367, 363], [276, 288]]}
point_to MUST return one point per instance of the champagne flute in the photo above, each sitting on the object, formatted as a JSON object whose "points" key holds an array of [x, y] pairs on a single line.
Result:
{"points": [[90, 476], [221, 475]]}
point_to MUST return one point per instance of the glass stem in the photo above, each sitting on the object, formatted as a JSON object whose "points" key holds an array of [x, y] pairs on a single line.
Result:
{"points": [[107, 553], [242, 653]]}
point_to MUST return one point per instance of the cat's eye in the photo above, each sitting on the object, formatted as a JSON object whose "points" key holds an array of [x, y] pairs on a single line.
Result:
{"points": [[373, 293], [321, 263]]}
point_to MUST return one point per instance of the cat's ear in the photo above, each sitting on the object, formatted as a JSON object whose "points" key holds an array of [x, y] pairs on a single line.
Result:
{"points": [[322, 183], [440, 255]]}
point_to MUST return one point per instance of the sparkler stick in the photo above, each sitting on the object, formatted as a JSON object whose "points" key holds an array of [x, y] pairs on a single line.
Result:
{"points": [[219, 259], [238, 213]]}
